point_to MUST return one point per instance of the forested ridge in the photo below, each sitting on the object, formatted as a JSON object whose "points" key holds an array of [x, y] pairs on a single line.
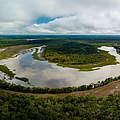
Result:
{"points": [[22, 107]]}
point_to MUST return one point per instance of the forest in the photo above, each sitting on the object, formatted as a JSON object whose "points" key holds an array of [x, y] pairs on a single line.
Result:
{"points": [[64, 51], [22, 107], [77, 55], [67, 52]]}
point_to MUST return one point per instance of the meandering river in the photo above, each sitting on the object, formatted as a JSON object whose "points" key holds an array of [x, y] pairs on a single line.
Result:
{"points": [[44, 74]]}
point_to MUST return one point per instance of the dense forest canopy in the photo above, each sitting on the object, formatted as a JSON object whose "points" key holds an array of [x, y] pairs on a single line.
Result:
{"points": [[75, 54], [22, 107], [74, 48]]}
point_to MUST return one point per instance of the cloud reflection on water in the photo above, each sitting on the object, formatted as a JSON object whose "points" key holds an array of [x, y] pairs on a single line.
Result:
{"points": [[44, 74]]}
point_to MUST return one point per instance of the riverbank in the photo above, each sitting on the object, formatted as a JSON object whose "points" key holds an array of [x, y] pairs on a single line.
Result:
{"points": [[86, 67], [111, 88], [26, 66], [12, 51], [36, 53], [110, 52], [77, 57]]}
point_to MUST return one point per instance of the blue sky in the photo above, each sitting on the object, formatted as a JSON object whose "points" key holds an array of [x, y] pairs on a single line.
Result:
{"points": [[41, 20], [44, 17]]}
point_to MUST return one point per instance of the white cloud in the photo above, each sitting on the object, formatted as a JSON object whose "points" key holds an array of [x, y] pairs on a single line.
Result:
{"points": [[79, 16]]}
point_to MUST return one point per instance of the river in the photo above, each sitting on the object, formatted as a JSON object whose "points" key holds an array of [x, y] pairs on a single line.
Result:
{"points": [[44, 74]]}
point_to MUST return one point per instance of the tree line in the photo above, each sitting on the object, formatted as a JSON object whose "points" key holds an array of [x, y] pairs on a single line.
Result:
{"points": [[19, 88]]}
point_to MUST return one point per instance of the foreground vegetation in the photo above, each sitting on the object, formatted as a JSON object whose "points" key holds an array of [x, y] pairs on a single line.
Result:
{"points": [[78, 55], [22, 107]]}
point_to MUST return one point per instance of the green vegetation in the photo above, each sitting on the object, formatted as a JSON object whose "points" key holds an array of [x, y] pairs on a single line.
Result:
{"points": [[22, 107], [70, 44], [19, 88], [10, 73], [12, 50], [117, 47], [78, 55], [36, 57], [5, 69], [23, 79]]}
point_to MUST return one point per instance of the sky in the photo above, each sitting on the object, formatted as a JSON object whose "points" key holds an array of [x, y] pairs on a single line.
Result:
{"points": [[59, 16]]}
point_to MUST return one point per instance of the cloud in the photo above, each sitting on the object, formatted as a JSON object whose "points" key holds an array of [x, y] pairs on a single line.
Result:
{"points": [[69, 17]]}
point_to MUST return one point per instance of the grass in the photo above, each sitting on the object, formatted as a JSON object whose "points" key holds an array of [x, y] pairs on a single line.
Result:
{"points": [[89, 67], [36, 57], [8, 53], [12, 50], [5, 69]]}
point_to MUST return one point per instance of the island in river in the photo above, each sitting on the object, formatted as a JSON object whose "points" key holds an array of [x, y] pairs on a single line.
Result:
{"points": [[32, 66], [45, 74], [82, 56]]}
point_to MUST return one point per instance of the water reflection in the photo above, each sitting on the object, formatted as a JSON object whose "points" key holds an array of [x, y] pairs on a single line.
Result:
{"points": [[44, 74]]}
